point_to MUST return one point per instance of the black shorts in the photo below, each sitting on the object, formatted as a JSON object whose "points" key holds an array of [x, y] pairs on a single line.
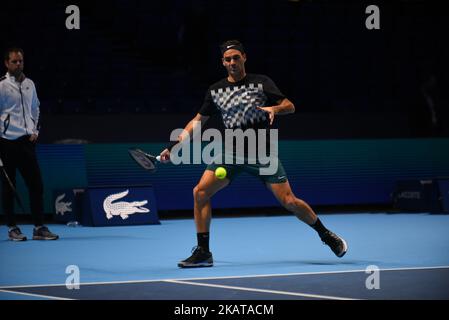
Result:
{"points": [[232, 170]]}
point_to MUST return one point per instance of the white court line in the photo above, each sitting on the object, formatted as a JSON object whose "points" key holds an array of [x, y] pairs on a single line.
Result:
{"points": [[310, 273], [35, 295], [298, 294], [225, 277]]}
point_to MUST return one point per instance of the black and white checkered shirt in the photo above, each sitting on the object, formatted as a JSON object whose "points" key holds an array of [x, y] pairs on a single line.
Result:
{"points": [[238, 101]]}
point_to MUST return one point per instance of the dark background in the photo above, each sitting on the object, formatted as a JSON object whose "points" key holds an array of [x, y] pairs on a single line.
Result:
{"points": [[138, 69]]}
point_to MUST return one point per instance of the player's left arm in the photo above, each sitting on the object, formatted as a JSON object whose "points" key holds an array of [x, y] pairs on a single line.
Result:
{"points": [[284, 106], [35, 112]]}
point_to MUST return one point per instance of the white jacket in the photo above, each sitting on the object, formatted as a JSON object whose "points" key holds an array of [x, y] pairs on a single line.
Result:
{"points": [[19, 108]]}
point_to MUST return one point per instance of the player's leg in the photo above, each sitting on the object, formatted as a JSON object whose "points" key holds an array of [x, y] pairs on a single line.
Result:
{"points": [[279, 185], [29, 168], [283, 192], [202, 193], [7, 192], [9, 160], [30, 171]]}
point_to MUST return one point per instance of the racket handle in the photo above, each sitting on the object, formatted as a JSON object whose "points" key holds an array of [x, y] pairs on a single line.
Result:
{"points": [[158, 158]]}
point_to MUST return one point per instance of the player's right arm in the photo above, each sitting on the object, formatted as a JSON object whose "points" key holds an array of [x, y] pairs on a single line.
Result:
{"points": [[187, 133]]}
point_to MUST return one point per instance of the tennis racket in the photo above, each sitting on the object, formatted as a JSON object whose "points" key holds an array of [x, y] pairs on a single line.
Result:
{"points": [[16, 195], [145, 160]]}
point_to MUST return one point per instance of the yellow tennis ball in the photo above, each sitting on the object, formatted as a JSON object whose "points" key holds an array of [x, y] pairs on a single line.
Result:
{"points": [[220, 173]]}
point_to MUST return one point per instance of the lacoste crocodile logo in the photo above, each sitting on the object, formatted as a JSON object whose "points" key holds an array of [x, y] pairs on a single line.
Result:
{"points": [[62, 207], [122, 208]]}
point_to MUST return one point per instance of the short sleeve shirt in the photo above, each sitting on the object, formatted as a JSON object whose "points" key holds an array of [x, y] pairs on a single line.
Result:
{"points": [[237, 102]]}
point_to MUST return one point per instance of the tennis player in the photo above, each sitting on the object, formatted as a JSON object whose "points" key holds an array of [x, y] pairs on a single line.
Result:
{"points": [[245, 101]]}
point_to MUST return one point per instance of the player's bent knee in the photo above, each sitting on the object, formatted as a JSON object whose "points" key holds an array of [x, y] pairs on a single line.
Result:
{"points": [[199, 195], [291, 203], [288, 201]]}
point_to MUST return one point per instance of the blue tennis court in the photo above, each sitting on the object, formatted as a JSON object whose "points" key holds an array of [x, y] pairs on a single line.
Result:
{"points": [[390, 257]]}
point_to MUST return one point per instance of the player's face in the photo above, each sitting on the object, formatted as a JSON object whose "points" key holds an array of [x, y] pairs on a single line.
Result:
{"points": [[234, 61], [14, 64]]}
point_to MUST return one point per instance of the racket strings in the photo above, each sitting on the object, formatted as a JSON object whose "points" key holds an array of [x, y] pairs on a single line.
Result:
{"points": [[143, 160]]}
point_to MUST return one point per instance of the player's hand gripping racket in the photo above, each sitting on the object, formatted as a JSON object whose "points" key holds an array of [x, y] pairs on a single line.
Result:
{"points": [[145, 160]]}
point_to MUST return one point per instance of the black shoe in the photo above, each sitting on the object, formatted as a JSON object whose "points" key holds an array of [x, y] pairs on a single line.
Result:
{"points": [[42, 233], [337, 244], [14, 234], [199, 258]]}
